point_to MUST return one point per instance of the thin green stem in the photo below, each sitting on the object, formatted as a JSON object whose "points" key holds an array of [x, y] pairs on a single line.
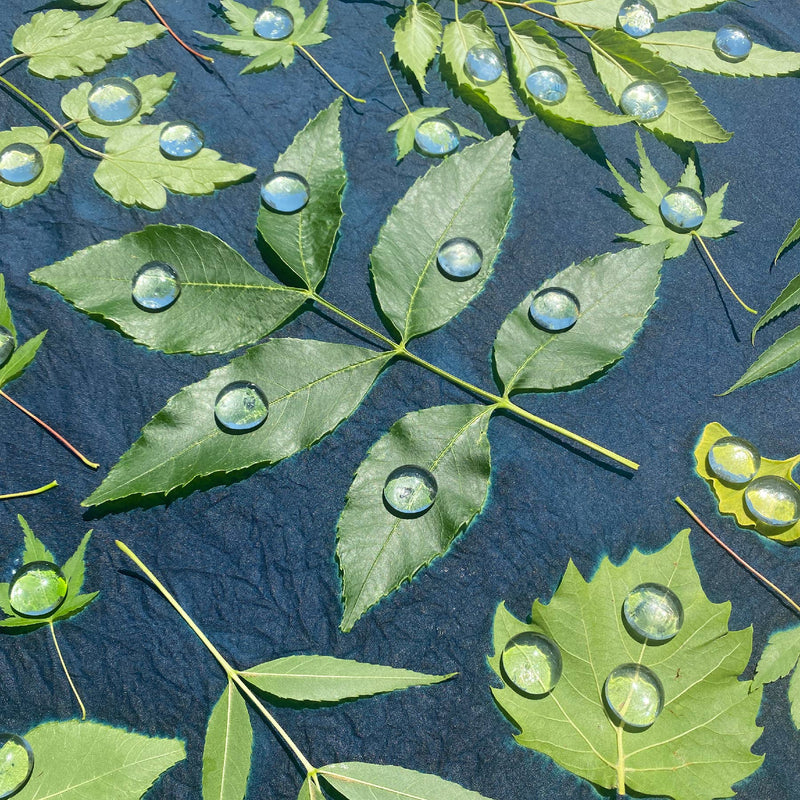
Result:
{"points": [[620, 764], [398, 348], [394, 82], [230, 672], [66, 671], [30, 492], [15, 57], [327, 74], [719, 272]]}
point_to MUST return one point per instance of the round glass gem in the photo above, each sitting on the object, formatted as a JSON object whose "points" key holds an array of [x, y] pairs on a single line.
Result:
{"points": [[20, 164], [773, 501], [6, 344], [16, 764], [436, 137], [637, 17], [483, 65], [179, 140], [37, 589], [155, 286], [240, 407], [273, 23], [114, 101], [683, 209], [732, 43], [554, 310], [547, 84], [733, 460], [459, 259], [645, 100], [653, 612], [285, 192], [531, 663], [634, 695], [410, 490]]}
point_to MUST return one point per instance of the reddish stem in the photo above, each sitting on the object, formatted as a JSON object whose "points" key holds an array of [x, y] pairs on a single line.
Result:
{"points": [[175, 35]]}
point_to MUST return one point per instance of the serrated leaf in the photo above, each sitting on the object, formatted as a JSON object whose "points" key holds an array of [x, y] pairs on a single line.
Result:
{"points": [[794, 698], [325, 679], [792, 237], [20, 359], [52, 158], [6, 317], [620, 60], [89, 761], [779, 658], [699, 745], [109, 8], [153, 89], [75, 606], [731, 498], [615, 292], [304, 241], [780, 355], [74, 568], [786, 301], [406, 128], [224, 303], [228, 748], [603, 13], [35, 549], [59, 44], [377, 551], [417, 36], [311, 387], [469, 195], [695, 50]]}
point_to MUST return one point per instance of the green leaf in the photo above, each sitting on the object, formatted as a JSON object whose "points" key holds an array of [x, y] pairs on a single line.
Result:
{"points": [[59, 44], [695, 50], [304, 241], [88, 761], [228, 748], [20, 359], [794, 235], [378, 551], [603, 13], [74, 569], [780, 355], [108, 9], [531, 47], [311, 387], [324, 679], [35, 549], [469, 195], [6, 318], [779, 658], [417, 36], [359, 781], [615, 292], [699, 745], [310, 791], [621, 60], [53, 162], [224, 303], [75, 606], [153, 89], [406, 128], [786, 301]]}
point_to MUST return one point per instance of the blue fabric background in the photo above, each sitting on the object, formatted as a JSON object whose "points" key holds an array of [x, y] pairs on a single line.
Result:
{"points": [[253, 562]]}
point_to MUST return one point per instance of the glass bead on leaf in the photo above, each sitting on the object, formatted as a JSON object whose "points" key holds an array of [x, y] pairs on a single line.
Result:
{"points": [[114, 101], [20, 164], [459, 259], [37, 589], [241, 407], [410, 491], [733, 460], [547, 85], [436, 137], [773, 501], [16, 764], [644, 100], [181, 139], [634, 695], [653, 612], [637, 18], [155, 286], [732, 43], [274, 23], [7, 345], [554, 309], [285, 192], [531, 663], [483, 65], [683, 209]]}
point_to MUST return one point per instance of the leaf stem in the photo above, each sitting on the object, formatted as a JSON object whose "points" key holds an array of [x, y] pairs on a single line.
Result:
{"points": [[327, 74], [50, 430], [394, 82], [29, 492], [620, 764], [12, 58], [731, 552], [230, 672], [175, 35], [66, 671], [719, 272], [527, 7]]}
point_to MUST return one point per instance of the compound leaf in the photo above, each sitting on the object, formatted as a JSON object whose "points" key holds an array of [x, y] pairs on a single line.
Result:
{"points": [[603, 13], [417, 36], [780, 355], [53, 162], [407, 125]]}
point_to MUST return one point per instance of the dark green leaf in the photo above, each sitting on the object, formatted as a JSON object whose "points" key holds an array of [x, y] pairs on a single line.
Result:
{"points": [[52, 156], [603, 13], [417, 36], [787, 300], [779, 356], [794, 235], [20, 359]]}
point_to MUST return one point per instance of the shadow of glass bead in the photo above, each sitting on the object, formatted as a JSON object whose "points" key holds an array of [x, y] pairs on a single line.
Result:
{"points": [[20, 164], [733, 460], [155, 286], [683, 209], [459, 259], [285, 192], [773, 501], [241, 407], [16, 764], [644, 100], [554, 310], [637, 18], [732, 43], [7, 345], [37, 589], [634, 695], [274, 23], [181, 139], [547, 84], [410, 491], [531, 664], [436, 137], [114, 101], [653, 612], [483, 65]]}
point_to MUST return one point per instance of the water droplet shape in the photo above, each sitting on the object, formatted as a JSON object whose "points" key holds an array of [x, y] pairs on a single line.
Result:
{"points": [[637, 18], [7, 345], [531, 663], [773, 501], [547, 84], [285, 192], [482, 65], [732, 43], [653, 612], [241, 407], [733, 460], [20, 164], [634, 695], [155, 286], [459, 259], [114, 101], [554, 310], [16, 764], [410, 490], [645, 100], [37, 589], [274, 23], [683, 209], [436, 137], [181, 139]]}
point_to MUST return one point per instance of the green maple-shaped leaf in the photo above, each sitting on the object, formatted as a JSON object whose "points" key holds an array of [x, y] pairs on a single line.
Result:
{"points": [[699, 745], [644, 204], [407, 125], [780, 657], [417, 36], [23, 354], [731, 498], [52, 156], [59, 44], [603, 13]]}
